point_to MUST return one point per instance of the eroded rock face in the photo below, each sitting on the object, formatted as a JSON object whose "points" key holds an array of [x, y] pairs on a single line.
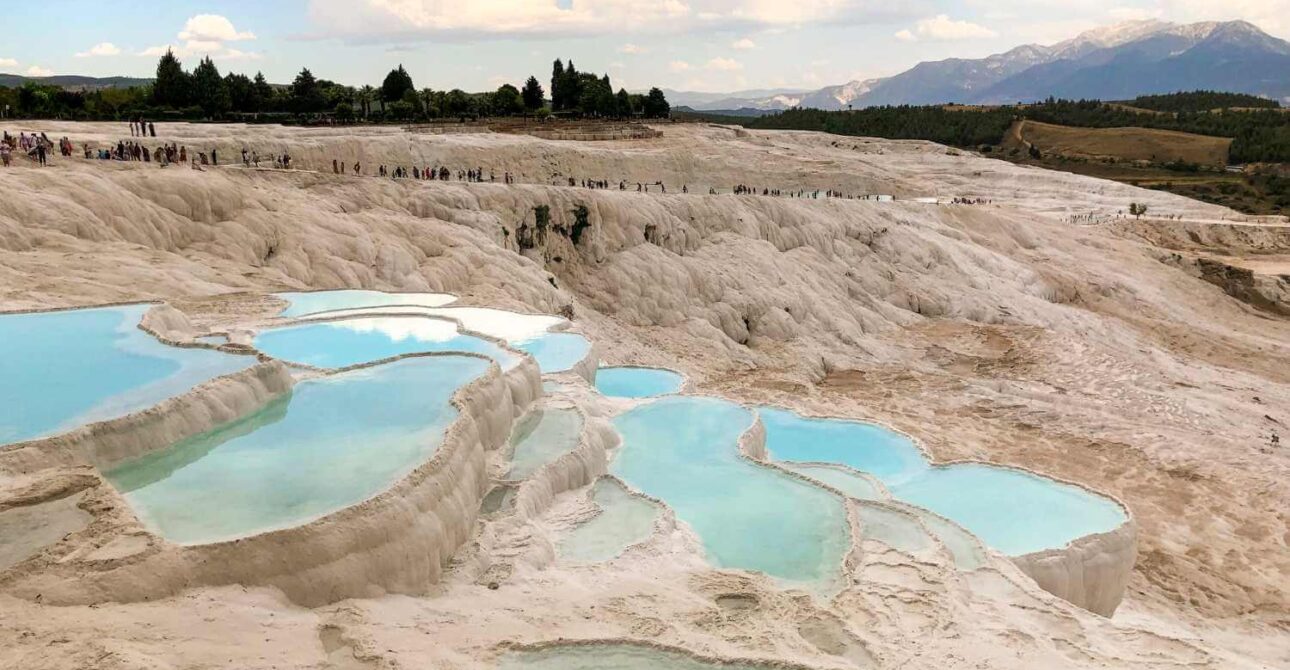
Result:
{"points": [[1270, 293], [1092, 572]]}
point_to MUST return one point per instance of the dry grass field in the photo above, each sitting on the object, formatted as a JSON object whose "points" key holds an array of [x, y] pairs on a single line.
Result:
{"points": [[1125, 144]]}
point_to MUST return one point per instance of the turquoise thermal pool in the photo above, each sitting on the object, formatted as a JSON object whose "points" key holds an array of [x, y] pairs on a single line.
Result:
{"points": [[624, 520], [531, 333], [541, 437], [339, 344], [607, 656], [331, 443], [631, 382], [510, 326], [850, 483], [556, 352], [684, 451], [68, 368], [1013, 511], [862, 446], [312, 302]]}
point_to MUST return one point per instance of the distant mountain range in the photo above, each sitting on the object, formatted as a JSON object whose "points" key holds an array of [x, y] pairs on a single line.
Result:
{"points": [[763, 99], [1119, 62], [72, 81]]}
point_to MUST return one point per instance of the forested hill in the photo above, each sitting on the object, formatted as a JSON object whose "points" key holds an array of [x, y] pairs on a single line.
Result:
{"points": [[73, 81], [1201, 101]]}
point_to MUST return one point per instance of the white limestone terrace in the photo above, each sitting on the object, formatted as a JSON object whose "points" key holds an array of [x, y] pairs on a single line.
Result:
{"points": [[186, 437], [151, 481], [992, 332]]}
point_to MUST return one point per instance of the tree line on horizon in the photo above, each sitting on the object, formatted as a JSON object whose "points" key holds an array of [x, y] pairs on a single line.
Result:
{"points": [[1259, 134], [204, 93]]}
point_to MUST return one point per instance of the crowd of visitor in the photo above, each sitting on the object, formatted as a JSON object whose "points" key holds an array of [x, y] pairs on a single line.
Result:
{"points": [[37, 147]]}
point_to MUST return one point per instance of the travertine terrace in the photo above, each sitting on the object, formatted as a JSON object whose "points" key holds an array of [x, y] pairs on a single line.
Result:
{"points": [[1103, 355]]}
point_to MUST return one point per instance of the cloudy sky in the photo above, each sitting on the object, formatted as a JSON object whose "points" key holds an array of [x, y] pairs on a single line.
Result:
{"points": [[707, 45]]}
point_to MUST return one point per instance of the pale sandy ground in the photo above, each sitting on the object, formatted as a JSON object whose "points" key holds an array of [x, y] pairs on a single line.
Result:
{"points": [[992, 332]]}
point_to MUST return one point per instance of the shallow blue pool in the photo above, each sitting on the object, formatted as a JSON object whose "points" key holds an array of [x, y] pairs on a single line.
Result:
{"points": [[311, 302], [541, 437], [338, 344], [631, 382], [863, 446], [555, 352], [623, 520], [684, 451], [1013, 511], [333, 442], [64, 369]]}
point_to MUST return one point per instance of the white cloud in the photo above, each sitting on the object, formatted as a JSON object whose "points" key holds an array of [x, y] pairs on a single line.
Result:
{"points": [[157, 52], [8, 62], [215, 50], [678, 66], [206, 35], [234, 54], [204, 47], [631, 49], [743, 44], [100, 49], [724, 64], [376, 19], [38, 71], [212, 28], [941, 28]]}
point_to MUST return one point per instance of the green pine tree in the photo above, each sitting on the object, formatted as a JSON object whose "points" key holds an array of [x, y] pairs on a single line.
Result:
{"points": [[172, 86]]}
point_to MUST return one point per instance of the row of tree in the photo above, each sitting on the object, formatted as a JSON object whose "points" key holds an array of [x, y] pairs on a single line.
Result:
{"points": [[586, 94], [205, 93], [1202, 101]]}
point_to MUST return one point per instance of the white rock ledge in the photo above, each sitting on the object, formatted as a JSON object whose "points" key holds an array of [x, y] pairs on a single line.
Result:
{"points": [[104, 444], [395, 542], [1091, 572]]}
